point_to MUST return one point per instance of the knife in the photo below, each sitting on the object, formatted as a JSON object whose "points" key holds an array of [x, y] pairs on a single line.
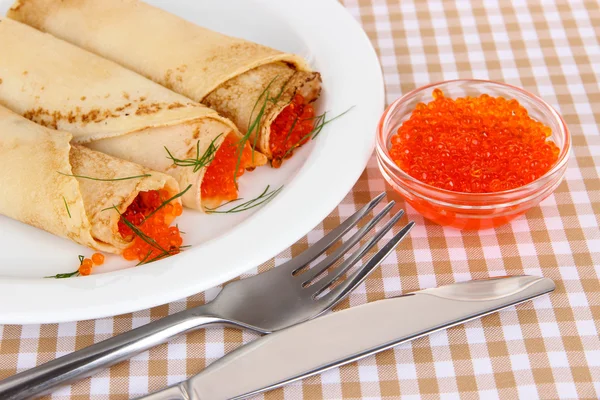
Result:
{"points": [[349, 335]]}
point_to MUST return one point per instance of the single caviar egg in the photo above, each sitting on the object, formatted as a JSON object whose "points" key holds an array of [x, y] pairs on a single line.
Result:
{"points": [[291, 129], [98, 258], [153, 238], [473, 144]]}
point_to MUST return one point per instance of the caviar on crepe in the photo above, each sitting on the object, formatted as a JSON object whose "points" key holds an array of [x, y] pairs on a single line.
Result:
{"points": [[473, 144], [291, 129], [219, 181], [152, 237], [146, 223]]}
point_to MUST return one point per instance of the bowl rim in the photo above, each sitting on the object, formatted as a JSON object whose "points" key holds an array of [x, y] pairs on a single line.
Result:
{"points": [[383, 151]]}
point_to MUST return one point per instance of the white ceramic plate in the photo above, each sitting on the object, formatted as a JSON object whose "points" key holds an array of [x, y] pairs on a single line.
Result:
{"points": [[224, 246]]}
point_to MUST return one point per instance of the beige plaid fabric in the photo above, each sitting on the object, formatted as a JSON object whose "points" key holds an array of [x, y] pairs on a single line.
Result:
{"points": [[548, 348]]}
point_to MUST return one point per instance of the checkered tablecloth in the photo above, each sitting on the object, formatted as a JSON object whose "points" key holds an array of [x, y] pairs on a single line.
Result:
{"points": [[546, 349]]}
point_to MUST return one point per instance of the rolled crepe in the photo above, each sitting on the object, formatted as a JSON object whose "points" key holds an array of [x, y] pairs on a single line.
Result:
{"points": [[38, 186], [226, 73], [109, 108]]}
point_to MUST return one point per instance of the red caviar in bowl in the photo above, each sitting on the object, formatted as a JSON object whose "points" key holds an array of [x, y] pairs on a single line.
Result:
{"points": [[291, 128], [218, 183], [164, 240], [473, 144]]}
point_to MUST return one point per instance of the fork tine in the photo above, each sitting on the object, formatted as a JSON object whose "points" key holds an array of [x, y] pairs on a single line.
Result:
{"points": [[340, 292], [340, 270], [328, 240], [343, 249]]}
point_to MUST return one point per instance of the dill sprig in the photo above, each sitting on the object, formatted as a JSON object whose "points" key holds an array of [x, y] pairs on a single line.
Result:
{"points": [[139, 233], [106, 179], [263, 198], [67, 206], [254, 122], [164, 203], [201, 160], [144, 259], [158, 257], [163, 253], [69, 274], [320, 122], [292, 128]]}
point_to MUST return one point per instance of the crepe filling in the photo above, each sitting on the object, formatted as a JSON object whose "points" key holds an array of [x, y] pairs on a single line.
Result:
{"points": [[146, 216], [220, 180], [291, 129]]}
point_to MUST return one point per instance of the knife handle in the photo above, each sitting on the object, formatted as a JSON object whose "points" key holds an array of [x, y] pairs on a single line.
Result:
{"points": [[171, 393], [85, 362]]}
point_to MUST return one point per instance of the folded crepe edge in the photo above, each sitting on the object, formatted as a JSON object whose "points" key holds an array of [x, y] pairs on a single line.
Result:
{"points": [[294, 61], [300, 82]]}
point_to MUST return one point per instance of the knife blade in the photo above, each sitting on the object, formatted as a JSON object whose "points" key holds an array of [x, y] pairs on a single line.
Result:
{"points": [[349, 335]]}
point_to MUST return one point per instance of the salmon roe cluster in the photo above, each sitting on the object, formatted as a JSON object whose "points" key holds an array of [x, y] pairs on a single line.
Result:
{"points": [[473, 144], [291, 128], [156, 227], [85, 267], [218, 183]]}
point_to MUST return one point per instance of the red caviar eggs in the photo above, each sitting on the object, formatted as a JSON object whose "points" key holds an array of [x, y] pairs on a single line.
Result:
{"points": [[218, 183], [473, 144], [291, 128], [86, 265], [153, 238]]}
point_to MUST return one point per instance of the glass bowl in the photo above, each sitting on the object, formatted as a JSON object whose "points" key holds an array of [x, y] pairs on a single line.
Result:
{"points": [[471, 210]]}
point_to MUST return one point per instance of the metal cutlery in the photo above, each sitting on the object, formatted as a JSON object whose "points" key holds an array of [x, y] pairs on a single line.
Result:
{"points": [[349, 335], [265, 303]]}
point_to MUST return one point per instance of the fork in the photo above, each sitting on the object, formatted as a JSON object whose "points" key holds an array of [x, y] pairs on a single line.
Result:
{"points": [[270, 301]]}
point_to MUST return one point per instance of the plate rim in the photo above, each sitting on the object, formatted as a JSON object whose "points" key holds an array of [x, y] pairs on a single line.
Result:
{"points": [[14, 309]]}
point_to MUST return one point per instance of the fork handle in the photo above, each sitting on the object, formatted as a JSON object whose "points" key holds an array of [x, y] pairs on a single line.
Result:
{"points": [[85, 362]]}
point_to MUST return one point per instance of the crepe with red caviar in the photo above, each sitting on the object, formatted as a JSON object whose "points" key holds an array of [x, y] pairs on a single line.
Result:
{"points": [[46, 182], [114, 110], [242, 80]]}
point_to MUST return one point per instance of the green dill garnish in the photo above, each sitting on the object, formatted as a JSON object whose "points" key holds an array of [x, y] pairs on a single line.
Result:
{"points": [[201, 160], [163, 253], [62, 276], [139, 233], [158, 257], [263, 198], [67, 206], [106, 179], [144, 259], [320, 122], [69, 274], [164, 203], [254, 122], [292, 128]]}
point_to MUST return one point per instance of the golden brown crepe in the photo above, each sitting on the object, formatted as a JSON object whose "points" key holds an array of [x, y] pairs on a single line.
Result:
{"points": [[226, 73], [105, 106], [37, 186]]}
